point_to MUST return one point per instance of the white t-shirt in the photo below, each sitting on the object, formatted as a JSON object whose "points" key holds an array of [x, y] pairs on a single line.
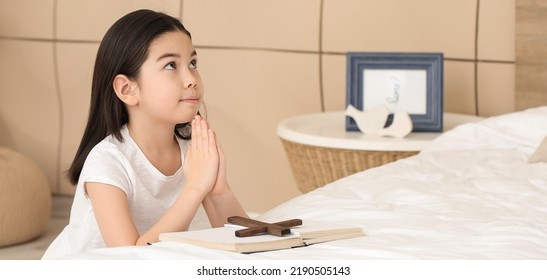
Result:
{"points": [[123, 165]]}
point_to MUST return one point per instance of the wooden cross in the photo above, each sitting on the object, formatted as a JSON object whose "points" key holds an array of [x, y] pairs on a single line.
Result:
{"points": [[255, 227]]}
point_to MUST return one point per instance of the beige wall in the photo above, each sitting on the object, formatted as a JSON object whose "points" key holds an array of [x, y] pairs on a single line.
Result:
{"points": [[531, 53], [261, 60]]}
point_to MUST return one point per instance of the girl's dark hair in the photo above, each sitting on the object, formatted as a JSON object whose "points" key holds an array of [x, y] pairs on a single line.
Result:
{"points": [[123, 50]]}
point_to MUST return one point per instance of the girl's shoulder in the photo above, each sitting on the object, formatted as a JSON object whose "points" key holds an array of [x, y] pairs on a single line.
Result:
{"points": [[109, 163], [111, 144], [111, 151]]}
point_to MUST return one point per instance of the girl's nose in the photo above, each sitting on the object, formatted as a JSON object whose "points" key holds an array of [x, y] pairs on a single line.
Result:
{"points": [[190, 80]]}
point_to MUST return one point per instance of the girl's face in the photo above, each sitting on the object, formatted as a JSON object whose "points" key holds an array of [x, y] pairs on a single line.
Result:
{"points": [[169, 85]]}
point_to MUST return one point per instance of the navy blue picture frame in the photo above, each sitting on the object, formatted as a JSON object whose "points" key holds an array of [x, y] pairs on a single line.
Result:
{"points": [[432, 63]]}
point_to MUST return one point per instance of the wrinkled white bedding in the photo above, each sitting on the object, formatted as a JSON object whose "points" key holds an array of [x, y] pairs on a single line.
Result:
{"points": [[470, 195]]}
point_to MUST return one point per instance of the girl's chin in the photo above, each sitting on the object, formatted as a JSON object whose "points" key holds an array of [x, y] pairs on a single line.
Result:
{"points": [[188, 117]]}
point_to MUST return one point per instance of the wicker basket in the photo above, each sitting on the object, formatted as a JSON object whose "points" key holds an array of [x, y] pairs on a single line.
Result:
{"points": [[314, 167]]}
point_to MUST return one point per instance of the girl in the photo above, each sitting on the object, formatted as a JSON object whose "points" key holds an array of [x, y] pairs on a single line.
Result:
{"points": [[135, 171]]}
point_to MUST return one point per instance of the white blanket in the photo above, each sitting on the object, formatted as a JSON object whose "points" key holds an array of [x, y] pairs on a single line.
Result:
{"points": [[470, 195]]}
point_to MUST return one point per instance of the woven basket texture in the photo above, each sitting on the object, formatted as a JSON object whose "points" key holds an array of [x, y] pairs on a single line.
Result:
{"points": [[314, 167]]}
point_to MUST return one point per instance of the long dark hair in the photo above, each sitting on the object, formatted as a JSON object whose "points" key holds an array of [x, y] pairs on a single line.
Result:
{"points": [[123, 50]]}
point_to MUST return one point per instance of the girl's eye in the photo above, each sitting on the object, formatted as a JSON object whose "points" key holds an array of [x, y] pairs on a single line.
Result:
{"points": [[171, 66], [193, 64]]}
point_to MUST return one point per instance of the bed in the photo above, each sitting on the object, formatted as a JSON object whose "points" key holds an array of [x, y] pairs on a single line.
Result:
{"points": [[471, 194]]}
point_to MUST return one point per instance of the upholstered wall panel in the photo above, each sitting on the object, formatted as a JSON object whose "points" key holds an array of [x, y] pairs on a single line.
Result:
{"points": [[29, 110], [459, 87], [247, 93], [280, 24], [496, 40], [496, 56], [333, 76], [496, 83], [89, 20], [27, 19], [403, 26], [394, 25]]}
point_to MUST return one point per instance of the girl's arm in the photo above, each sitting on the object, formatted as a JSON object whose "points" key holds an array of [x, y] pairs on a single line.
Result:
{"points": [[114, 219], [221, 203], [221, 206]]}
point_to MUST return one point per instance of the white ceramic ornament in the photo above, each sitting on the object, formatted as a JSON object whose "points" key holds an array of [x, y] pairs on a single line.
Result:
{"points": [[400, 127], [371, 121]]}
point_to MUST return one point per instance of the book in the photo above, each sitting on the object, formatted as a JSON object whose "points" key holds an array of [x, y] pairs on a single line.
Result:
{"points": [[223, 238]]}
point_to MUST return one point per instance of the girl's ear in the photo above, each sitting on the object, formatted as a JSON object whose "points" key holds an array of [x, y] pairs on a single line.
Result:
{"points": [[124, 90]]}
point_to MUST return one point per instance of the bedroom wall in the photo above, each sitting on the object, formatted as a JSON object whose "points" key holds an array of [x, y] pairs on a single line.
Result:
{"points": [[531, 54], [261, 61]]}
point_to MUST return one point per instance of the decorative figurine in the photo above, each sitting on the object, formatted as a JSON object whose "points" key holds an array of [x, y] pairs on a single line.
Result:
{"points": [[372, 122]]}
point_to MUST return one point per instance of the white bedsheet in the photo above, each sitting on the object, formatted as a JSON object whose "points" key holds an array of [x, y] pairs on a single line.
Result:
{"points": [[470, 195]]}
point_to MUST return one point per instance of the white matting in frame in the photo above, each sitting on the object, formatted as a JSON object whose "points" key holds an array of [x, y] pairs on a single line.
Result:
{"points": [[397, 89]]}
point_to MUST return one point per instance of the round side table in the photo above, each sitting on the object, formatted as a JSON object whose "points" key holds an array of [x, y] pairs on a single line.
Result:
{"points": [[320, 150]]}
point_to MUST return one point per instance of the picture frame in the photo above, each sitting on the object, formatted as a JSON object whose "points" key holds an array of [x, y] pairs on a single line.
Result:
{"points": [[412, 82]]}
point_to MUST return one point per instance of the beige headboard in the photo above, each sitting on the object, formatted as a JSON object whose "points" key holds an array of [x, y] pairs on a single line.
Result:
{"points": [[261, 61]]}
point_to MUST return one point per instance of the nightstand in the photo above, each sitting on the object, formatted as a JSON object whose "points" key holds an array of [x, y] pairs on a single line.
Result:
{"points": [[320, 150]]}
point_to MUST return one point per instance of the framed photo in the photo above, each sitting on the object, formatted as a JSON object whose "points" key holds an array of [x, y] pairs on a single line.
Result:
{"points": [[400, 81]]}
